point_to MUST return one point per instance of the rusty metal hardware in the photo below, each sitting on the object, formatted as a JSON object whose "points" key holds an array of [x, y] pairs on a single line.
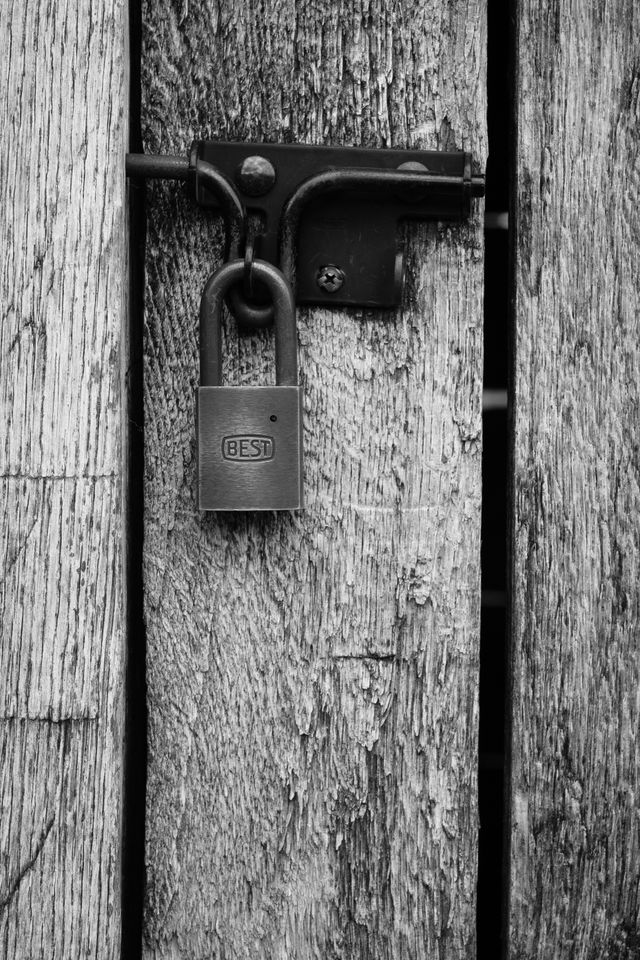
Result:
{"points": [[327, 206], [249, 438]]}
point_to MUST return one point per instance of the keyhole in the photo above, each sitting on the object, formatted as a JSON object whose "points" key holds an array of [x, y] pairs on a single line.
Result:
{"points": [[273, 418]]}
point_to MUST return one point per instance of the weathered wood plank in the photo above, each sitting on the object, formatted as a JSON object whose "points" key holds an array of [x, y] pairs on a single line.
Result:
{"points": [[575, 844], [63, 101], [312, 678]]}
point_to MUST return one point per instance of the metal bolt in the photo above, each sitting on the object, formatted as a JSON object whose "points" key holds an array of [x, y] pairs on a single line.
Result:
{"points": [[330, 278], [255, 176]]}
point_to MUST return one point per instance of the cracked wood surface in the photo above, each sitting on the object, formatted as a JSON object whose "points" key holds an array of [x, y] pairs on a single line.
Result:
{"points": [[575, 842], [312, 678], [63, 101]]}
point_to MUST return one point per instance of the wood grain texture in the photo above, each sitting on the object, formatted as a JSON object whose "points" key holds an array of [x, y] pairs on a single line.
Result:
{"points": [[575, 843], [63, 101], [312, 678]]}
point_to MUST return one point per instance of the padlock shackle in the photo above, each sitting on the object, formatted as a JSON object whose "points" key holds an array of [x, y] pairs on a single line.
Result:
{"points": [[213, 295]]}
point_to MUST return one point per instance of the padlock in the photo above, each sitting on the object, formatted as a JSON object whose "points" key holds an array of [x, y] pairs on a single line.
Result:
{"points": [[249, 438]]}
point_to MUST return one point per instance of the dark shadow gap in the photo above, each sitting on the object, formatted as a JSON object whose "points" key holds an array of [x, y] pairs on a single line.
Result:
{"points": [[135, 747], [492, 770]]}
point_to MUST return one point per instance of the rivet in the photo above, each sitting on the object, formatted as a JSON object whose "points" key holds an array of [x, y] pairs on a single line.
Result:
{"points": [[255, 176]]}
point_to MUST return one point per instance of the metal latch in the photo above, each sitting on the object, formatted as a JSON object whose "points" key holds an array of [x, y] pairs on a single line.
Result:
{"points": [[326, 216]]}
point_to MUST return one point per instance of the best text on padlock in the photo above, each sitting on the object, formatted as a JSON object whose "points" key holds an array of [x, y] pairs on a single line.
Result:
{"points": [[249, 438]]}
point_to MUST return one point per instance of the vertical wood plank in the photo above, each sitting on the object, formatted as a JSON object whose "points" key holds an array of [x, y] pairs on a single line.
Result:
{"points": [[312, 678], [63, 101], [575, 844]]}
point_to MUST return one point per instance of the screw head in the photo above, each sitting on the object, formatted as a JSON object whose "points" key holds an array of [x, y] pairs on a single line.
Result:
{"points": [[255, 176], [330, 278]]}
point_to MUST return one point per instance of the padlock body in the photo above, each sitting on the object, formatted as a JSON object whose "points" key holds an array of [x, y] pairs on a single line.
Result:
{"points": [[249, 448]]}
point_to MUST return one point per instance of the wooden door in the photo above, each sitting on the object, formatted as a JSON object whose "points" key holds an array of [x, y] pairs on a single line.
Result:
{"points": [[575, 755], [312, 677], [63, 361]]}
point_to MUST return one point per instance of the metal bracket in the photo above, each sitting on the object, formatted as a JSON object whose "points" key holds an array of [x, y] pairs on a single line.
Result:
{"points": [[330, 215]]}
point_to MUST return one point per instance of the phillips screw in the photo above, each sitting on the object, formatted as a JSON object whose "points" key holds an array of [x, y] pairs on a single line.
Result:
{"points": [[330, 278]]}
